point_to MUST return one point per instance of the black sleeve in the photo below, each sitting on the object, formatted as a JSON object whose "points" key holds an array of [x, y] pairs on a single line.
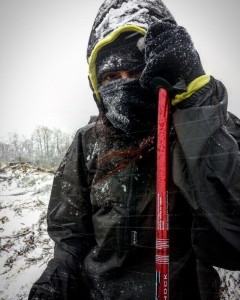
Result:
{"points": [[206, 168], [70, 226]]}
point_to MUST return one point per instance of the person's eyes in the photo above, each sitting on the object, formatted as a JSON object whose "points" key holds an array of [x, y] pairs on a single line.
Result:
{"points": [[109, 77]]}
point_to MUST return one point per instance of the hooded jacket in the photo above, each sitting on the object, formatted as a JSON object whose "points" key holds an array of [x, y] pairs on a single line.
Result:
{"points": [[103, 222], [116, 17]]}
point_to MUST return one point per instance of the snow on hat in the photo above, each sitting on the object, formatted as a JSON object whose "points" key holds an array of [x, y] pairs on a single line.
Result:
{"points": [[117, 13]]}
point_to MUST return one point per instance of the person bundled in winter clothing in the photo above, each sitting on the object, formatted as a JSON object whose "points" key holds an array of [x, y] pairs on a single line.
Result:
{"points": [[101, 214]]}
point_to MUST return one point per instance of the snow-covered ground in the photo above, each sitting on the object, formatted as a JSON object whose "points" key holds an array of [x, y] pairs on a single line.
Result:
{"points": [[25, 246], [230, 284]]}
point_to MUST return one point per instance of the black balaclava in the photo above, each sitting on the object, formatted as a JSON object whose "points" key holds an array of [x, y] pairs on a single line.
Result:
{"points": [[129, 107], [126, 104]]}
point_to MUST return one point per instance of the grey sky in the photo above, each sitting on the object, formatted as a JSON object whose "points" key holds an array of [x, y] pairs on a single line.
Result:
{"points": [[43, 69]]}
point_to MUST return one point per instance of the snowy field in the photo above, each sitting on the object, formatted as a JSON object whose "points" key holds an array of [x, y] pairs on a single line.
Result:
{"points": [[25, 246]]}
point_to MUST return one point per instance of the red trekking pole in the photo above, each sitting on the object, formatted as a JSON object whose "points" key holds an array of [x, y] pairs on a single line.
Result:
{"points": [[162, 236]]}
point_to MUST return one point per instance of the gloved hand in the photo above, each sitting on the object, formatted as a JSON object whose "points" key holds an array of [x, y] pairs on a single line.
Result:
{"points": [[170, 54]]}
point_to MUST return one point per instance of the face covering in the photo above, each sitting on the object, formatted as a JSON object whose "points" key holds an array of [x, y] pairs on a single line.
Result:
{"points": [[129, 107]]}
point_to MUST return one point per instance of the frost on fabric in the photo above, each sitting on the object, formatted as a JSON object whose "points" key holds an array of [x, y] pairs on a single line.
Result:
{"points": [[130, 12], [114, 14], [127, 14], [116, 110], [101, 194], [124, 188]]}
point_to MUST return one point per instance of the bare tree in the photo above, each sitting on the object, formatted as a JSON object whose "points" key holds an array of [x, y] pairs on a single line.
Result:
{"points": [[45, 148]]}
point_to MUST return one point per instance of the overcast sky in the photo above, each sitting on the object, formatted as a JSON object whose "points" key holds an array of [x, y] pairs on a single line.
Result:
{"points": [[43, 69]]}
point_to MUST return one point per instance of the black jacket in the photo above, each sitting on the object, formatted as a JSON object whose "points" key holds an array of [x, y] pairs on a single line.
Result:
{"points": [[103, 224], [102, 217]]}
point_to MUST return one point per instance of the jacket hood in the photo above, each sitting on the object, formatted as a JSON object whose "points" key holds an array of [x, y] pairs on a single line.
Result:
{"points": [[115, 17]]}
